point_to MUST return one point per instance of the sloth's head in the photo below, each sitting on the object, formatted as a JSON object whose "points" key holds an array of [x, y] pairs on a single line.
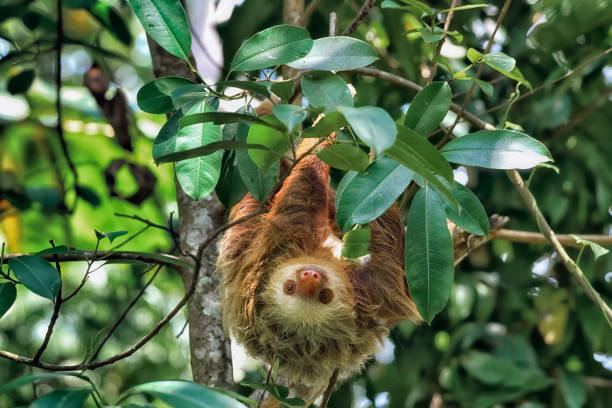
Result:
{"points": [[309, 292]]}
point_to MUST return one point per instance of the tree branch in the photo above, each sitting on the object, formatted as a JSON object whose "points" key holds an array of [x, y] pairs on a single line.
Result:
{"points": [[434, 62], [308, 12], [538, 238], [161, 259], [363, 12]]}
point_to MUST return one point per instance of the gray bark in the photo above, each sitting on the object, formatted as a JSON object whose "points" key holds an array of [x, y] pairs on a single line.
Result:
{"points": [[211, 361]]}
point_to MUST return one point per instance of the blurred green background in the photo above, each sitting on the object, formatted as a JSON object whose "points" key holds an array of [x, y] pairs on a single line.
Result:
{"points": [[511, 302]]}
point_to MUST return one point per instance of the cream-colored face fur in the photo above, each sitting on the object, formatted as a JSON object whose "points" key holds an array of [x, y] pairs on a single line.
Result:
{"points": [[297, 311]]}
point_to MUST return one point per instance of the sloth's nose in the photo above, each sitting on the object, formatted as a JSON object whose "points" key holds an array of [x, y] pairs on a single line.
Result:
{"points": [[309, 280]]}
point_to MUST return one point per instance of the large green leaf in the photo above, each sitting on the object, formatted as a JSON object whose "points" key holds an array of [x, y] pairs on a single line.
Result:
{"points": [[36, 274], [428, 108], [362, 198], [185, 394], [7, 296], [327, 90], [499, 370], [66, 398], [157, 95], [198, 176], [165, 21], [290, 116], [165, 142], [416, 153], [429, 259], [344, 157], [470, 215], [230, 189], [496, 149], [273, 46], [275, 141], [337, 54], [372, 125]]}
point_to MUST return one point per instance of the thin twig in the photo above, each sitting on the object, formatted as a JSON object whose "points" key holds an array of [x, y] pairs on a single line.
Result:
{"points": [[449, 134], [405, 83], [54, 315], [554, 81], [124, 314], [149, 223], [263, 392], [434, 63], [162, 259], [551, 237], [330, 388], [363, 12], [583, 114], [538, 238]]}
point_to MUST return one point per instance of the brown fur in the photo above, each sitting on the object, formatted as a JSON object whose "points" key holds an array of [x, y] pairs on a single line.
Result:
{"points": [[312, 342]]}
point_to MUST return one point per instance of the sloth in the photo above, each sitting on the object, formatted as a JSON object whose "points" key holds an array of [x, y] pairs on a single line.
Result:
{"points": [[287, 294]]}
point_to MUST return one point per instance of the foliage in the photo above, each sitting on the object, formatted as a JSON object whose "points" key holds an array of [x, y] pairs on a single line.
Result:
{"points": [[507, 326]]}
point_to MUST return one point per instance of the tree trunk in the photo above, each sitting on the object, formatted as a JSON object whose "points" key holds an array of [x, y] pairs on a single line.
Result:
{"points": [[211, 361]]}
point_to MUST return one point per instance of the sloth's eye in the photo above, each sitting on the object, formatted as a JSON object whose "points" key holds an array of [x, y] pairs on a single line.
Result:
{"points": [[289, 288], [326, 296]]}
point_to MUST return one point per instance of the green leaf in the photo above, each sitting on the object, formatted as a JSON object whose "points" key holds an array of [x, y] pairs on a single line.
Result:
{"points": [[361, 198], [282, 89], [273, 46], [356, 243], [230, 189], [276, 142], [36, 274], [500, 62], [372, 125], [328, 124], [327, 90], [597, 249], [60, 249], [110, 235], [572, 389], [207, 149], [429, 259], [219, 118], [486, 87], [428, 108], [255, 87], [88, 194], [337, 54], [28, 379], [66, 398], [471, 215], [111, 20], [431, 36], [199, 175], [185, 394], [165, 142], [416, 153], [290, 116], [257, 181], [8, 294], [496, 149], [166, 22], [410, 146], [490, 369], [156, 96], [344, 157], [21, 82]]}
